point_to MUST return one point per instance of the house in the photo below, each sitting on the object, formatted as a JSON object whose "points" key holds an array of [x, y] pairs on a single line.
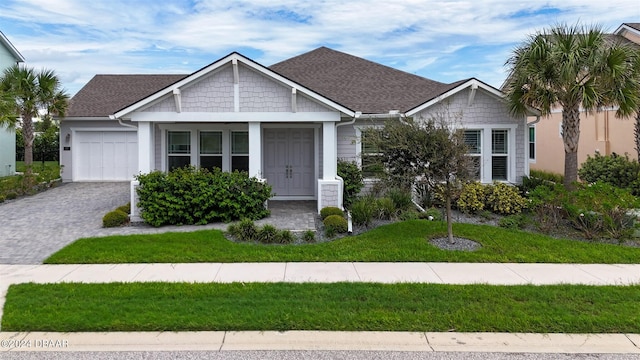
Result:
{"points": [[287, 124], [9, 56], [600, 131]]}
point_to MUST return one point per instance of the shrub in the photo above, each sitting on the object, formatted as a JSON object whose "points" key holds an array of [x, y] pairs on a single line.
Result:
{"points": [[353, 183], [362, 211], [401, 198], [115, 218], [505, 199], [336, 222], [472, 198], [330, 210], [125, 208], [246, 230], [285, 237], [547, 202], [197, 196], [601, 209], [2, 198], [547, 176], [616, 170], [516, 221], [11, 195], [432, 214], [268, 234], [309, 236], [385, 208]]}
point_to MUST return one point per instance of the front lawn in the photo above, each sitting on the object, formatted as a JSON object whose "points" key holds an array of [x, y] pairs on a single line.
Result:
{"points": [[399, 242], [336, 307], [16, 185]]}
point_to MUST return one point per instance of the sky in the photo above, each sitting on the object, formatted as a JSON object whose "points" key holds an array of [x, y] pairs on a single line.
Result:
{"points": [[443, 40]]}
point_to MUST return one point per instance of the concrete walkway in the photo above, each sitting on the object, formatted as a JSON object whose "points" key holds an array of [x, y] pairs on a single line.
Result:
{"points": [[440, 273]]}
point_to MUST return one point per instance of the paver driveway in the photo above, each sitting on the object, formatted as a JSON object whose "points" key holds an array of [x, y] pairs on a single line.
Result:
{"points": [[34, 227]]}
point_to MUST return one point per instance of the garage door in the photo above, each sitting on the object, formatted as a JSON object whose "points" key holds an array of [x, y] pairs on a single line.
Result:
{"points": [[106, 155]]}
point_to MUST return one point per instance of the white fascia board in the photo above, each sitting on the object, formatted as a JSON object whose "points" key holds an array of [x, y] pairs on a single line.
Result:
{"points": [[214, 66], [490, 90], [86, 118], [211, 117], [12, 49], [624, 27]]}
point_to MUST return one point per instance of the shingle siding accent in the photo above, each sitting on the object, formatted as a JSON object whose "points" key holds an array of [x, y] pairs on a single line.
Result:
{"points": [[485, 110], [167, 104], [305, 104], [261, 94], [211, 94]]}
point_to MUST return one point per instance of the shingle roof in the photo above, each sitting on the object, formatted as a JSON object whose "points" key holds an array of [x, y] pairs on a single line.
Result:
{"points": [[633, 25], [103, 95], [359, 84], [356, 83]]}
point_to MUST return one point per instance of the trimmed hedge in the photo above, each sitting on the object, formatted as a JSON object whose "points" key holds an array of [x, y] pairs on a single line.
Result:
{"points": [[115, 218], [198, 196], [337, 223]]}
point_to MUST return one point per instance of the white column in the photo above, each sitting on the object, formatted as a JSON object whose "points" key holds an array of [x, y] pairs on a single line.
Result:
{"points": [[329, 151], [144, 147], [255, 150]]}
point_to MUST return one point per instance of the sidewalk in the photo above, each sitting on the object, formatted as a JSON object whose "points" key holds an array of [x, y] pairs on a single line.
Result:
{"points": [[437, 273]]}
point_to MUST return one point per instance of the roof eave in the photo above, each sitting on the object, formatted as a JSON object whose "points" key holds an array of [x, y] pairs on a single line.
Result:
{"points": [[217, 64], [12, 49]]}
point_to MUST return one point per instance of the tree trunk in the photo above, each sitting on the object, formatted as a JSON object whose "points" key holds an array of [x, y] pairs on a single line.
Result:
{"points": [[636, 133], [449, 220], [571, 137], [28, 135]]}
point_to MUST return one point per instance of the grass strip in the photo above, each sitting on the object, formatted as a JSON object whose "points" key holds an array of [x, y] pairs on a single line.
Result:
{"points": [[399, 242], [310, 306]]}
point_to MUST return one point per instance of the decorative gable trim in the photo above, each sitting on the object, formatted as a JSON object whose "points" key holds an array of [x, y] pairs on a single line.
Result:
{"points": [[234, 59], [12, 49], [473, 83]]}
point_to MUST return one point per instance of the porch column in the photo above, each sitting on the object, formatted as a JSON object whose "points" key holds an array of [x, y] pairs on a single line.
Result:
{"points": [[329, 151], [144, 147], [329, 187], [255, 150]]}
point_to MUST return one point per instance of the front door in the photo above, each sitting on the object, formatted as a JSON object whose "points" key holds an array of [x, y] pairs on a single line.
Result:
{"points": [[289, 165]]}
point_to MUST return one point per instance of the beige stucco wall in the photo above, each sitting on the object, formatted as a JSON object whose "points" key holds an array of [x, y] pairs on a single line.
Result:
{"points": [[600, 131]]}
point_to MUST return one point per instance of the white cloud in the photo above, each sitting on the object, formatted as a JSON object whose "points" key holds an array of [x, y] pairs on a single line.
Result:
{"points": [[79, 38]]}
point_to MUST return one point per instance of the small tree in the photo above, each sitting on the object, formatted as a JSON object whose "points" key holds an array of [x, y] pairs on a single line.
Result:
{"points": [[428, 151]]}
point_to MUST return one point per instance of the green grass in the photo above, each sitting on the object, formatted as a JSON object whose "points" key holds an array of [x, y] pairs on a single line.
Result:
{"points": [[16, 183], [341, 306], [399, 242]]}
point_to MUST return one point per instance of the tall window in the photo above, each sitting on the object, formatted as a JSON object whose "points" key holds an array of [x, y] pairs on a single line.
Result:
{"points": [[532, 143], [179, 149], [371, 164], [499, 154], [240, 151], [473, 140], [211, 149]]}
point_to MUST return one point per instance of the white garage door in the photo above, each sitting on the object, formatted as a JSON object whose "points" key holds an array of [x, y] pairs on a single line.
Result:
{"points": [[106, 155]]}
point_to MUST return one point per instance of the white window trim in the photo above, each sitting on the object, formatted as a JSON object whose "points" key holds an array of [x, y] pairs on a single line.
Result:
{"points": [[195, 129], [535, 144], [486, 151]]}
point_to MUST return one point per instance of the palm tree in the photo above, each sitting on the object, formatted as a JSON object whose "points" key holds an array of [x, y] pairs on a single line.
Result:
{"points": [[27, 94], [570, 67]]}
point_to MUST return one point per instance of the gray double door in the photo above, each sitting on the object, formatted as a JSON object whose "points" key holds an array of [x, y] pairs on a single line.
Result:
{"points": [[289, 163]]}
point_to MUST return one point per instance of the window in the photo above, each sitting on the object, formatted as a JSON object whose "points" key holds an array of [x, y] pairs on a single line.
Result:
{"points": [[473, 140], [211, 149], [371, 159], [532, 143], [240, 151], [178, 149], [499, 154]]}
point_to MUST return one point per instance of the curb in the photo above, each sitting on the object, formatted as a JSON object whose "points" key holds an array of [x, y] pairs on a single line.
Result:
{"points": [[321, 340]]}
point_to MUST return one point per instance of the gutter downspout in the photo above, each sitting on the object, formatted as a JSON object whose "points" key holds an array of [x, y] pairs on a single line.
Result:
{"points": [[113, 117], [341, 191]]}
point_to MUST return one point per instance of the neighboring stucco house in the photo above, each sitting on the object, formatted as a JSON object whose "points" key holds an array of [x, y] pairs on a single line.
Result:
{"points": [[599, 131], [9, 56], [287, 124]]}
